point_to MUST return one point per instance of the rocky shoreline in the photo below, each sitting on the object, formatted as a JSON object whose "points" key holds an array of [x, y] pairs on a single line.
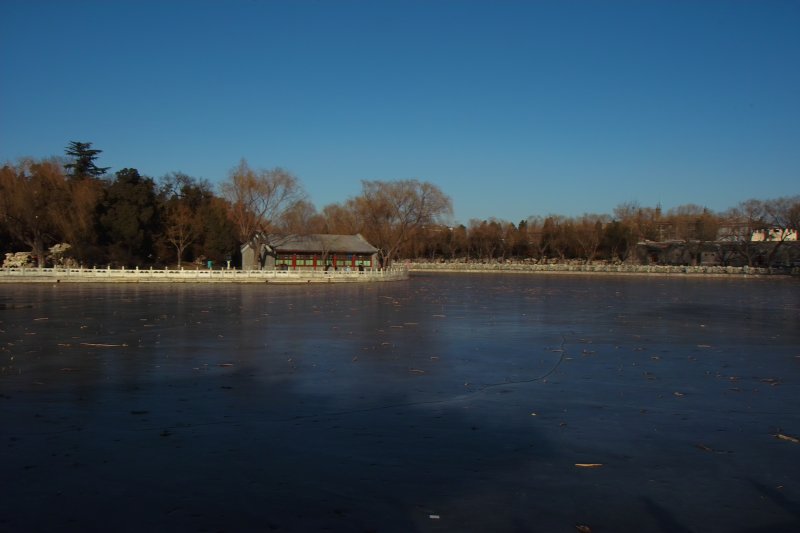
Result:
{"points": [[575, 268]]}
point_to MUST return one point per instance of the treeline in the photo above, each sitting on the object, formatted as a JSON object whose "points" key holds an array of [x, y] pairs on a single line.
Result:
{"points": [[125, 218], [616, 237], [70, 211]]}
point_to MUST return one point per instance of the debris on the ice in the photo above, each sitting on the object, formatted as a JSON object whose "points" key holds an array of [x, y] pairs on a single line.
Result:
{"points": [[789, 438], [102, 345]]}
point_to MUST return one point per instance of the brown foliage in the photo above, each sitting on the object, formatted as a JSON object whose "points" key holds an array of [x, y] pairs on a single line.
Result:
{"points": [[259, 200], [39, 207], [181, 227], [392, 212]]}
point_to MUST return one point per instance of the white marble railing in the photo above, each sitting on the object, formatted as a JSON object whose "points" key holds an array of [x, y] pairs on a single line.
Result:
{"points": [[173, 275]]}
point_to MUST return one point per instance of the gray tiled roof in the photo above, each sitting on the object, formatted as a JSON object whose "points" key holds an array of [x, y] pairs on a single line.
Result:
{"points": [[322, 243]]}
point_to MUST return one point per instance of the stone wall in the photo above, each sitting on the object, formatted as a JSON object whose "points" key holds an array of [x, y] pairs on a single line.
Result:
{"points": [[589, 268]]}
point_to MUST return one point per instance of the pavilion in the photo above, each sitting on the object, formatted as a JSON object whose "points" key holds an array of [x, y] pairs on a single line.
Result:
{"points": [[310, 252]]}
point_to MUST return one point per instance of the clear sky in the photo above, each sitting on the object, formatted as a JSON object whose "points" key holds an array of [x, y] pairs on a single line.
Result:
{"points": [[512, 108]]}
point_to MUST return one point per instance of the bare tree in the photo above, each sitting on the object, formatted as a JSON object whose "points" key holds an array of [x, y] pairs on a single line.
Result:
{"points": [[34, 202], [392, 211], [301, 219], [790, 209], [743, 220], [516, 239], [619, 239], [589, 235], [78, 221], [642, 221], [555, 235], [486, 238], [695, 226], [181, 227], [455, 242], [480, 242], [534, 233], [342, 219], [782, 216], [259, 201], [433, 241]]}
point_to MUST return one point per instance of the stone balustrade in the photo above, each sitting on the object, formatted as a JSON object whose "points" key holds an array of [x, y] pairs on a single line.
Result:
{"points": [[136, 275]]}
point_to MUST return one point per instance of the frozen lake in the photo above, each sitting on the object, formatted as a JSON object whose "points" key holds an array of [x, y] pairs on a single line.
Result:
{"points": [[443, 403]]}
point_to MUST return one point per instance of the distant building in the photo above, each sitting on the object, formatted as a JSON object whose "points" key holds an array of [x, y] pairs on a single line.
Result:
{"points": [[310, 252], [734, 232], [744, 231], [774, 235]]}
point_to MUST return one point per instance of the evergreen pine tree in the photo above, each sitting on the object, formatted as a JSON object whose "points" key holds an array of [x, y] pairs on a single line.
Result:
{"points": [[83, 164]]}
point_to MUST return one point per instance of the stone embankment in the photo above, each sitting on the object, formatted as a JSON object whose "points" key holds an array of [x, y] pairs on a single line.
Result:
{"points": [[593, 268], [111, 275]]}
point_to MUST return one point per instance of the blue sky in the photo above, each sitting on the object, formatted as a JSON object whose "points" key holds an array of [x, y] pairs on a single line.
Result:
{"points": [[512, 108]]}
